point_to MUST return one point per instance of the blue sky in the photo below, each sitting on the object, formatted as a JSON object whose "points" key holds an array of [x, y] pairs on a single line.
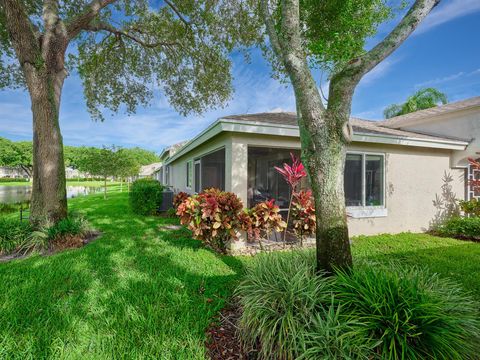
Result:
{"points": [[444, 52]]}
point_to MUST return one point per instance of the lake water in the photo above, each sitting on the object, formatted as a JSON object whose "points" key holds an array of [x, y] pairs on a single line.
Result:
{"points": [[20, 193]]}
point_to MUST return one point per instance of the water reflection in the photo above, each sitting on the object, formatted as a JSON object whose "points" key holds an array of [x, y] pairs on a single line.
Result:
{"points": [[21, 193]]}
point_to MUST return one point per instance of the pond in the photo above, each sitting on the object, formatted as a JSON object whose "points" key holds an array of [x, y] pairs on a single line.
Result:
{"points": [[22, 193]]}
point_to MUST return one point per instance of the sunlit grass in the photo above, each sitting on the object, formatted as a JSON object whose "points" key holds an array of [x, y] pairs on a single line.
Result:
{"points": [[141, 291]]}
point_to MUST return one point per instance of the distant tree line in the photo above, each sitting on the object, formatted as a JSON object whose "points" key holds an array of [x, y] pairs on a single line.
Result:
{"points": [[102, 162]]}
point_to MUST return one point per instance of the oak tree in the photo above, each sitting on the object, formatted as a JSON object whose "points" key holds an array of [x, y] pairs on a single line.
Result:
{"points": [[122, 51], [331, 35]]}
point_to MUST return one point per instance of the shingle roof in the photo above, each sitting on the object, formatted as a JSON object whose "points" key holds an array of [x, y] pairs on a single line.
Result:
{"points": [[360, 126], [399, 121]]}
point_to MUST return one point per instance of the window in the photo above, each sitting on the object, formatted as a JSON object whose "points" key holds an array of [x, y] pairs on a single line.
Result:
{"points": [[264, 182], [364, 180], [189, 174], [167, 175], [213, 170]]}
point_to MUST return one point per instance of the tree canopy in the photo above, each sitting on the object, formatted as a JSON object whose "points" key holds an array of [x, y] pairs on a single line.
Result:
{"points": [[123, 49], [420, 100], [16, 154]]}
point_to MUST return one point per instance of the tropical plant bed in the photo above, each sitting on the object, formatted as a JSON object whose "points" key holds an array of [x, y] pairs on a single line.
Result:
{"points": [[59, 244]]}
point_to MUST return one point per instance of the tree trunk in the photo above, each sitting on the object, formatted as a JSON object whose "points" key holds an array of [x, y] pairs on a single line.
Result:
{"points": [[324, 156], [49, 196]]}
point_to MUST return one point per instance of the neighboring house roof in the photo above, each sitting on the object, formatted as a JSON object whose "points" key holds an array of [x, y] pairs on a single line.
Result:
{"points": [[418, 116], [148, 170], [285, 124], [171, 150]]}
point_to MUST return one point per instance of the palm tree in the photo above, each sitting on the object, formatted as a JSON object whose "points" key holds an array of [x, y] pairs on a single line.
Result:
{"points": [[422, 99]]}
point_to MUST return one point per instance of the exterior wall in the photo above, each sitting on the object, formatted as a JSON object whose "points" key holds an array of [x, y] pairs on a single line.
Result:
{"points": [[462, 124], [413, 178], [178, 168]]}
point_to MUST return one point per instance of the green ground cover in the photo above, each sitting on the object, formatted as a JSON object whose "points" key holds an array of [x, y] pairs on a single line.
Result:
{"points": [[146, 291]]}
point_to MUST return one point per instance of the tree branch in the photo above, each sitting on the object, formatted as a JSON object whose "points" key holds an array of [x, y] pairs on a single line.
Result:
{"points": [[398, 35], [177, 12], [82, 21], [21, 31], [120, 33], [272, 33]]}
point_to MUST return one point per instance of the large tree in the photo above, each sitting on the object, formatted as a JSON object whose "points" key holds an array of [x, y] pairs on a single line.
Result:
{"points": [[331, 35], [122, 50], [420, 100]]}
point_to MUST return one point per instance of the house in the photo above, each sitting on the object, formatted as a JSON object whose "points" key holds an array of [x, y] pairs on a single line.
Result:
{"points": [[395, 169], [13, 172], [149, 170], [162, 173]]}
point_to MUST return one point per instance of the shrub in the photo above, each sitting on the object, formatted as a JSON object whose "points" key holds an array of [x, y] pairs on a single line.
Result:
{"points": [[461, 227], [72, 225], [371, 311], [261, 220], [13, 233], [7, 180], [303, 214], [470, 207], [408, 313], [214, 217], [146, 196], [179, 198], [278, 296], [13, 207]]}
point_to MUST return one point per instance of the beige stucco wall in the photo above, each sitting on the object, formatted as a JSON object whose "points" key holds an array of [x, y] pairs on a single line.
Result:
{"points": [[462, 124], [414, 176]]}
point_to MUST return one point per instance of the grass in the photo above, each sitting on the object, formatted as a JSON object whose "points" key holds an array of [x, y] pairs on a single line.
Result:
{"points": [[71, 182], [141, 291]]}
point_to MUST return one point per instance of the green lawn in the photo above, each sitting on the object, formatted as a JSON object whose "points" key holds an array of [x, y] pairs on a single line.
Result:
{"points": [[144, 292], [69, 183]]}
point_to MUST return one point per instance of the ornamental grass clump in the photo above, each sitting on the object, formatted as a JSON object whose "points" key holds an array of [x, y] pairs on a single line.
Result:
{"points": [[278, 296], [214, 217], [261, 220], [408, 313], [373, 311]]}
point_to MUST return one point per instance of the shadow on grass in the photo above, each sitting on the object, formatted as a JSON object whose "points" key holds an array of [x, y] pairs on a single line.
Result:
{"points": [[135, 292]]}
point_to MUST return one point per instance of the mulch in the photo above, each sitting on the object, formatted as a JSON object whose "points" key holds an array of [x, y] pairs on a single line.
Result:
{"points": [[57, 245], [223, 341]]}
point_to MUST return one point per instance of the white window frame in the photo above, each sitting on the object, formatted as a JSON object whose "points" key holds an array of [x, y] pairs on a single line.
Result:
{"points": [[366, 211], [189, 175]]}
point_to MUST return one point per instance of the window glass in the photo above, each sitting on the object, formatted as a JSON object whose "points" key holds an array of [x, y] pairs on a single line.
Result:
{"points": [[264, 182], [213, 170], [353, 180], [189, 174], [197, 176], [373, 180]]}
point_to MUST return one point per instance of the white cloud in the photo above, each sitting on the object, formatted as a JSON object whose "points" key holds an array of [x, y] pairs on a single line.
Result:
{"points": [[448, 11], [448, 78], [379, 71]]}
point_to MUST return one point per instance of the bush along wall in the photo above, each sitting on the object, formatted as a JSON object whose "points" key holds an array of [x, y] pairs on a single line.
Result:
{"points": [[466, 228], [146, 196]]}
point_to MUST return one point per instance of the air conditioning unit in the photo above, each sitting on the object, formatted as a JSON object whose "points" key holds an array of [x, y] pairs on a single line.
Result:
{"points": [[167, 200]]}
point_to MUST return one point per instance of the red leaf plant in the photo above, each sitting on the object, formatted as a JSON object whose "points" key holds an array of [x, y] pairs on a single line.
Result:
{"points": [[179, 198], [261, 220], [214, 216], [292, 174], [303, 214]]}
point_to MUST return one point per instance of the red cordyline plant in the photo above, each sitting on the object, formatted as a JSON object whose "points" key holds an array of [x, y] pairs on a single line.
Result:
{"points": [[292, 174], [214, 217], [261, 220], [303, 214]]}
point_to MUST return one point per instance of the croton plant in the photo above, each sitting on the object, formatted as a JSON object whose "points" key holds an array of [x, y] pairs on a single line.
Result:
{"points": [[303, 214], [214, 217], [179, 198], [261, 220]]}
